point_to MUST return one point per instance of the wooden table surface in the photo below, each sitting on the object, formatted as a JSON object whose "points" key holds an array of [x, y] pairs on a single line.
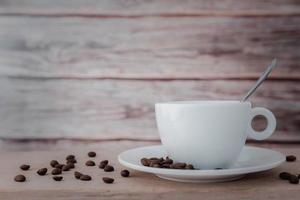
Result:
{"points": [[265, 185]]}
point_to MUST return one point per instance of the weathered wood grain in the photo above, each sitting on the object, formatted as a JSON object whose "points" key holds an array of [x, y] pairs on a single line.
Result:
{"points": [[107, 109], [259, 186], [142, 8], [150, 48]]}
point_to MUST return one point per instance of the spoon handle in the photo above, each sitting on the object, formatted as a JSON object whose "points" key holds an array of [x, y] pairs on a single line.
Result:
{"points": [[260, 80]]}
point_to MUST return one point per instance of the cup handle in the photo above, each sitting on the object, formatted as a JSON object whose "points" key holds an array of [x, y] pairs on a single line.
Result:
{"points": [[271, 124]]}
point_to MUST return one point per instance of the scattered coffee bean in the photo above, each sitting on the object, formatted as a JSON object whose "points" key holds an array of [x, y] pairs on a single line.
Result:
{"points": [[25, 167], [42, 171], [72, 161], [53, 163], [57, 178], [20, 178], [178, 166], [189, 166], [284, 175], [91, 154], [85, 177], [65, 168], [70, 165], [59, 166], [298, 176], [77, 174], [107, 180], [70, 157], [294, 179], [125, 173], [56, 171], [103, 163], [90, 163], [290, 158], [109, 168]]}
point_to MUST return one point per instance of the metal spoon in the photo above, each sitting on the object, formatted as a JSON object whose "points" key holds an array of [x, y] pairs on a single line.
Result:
{"points": [[260, 80]]}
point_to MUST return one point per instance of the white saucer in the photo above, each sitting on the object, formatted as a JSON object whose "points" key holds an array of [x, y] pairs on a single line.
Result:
{"points": [[252, 159]]}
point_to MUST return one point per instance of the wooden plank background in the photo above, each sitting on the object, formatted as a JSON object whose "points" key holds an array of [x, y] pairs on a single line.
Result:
{"points": [[94, 69]]}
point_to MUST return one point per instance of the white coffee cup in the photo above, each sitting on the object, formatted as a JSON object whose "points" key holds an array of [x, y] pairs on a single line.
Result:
{"points": [[209, 134]]}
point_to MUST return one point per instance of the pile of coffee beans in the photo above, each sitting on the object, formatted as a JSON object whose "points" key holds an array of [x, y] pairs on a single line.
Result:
{"points": [[59, 168], [165, 163], [292, 178]]}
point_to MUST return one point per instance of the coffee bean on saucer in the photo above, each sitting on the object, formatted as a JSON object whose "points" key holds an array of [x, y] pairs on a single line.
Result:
{"points": [[84, 177], [90, 163], [53, 163], [20, 178], [189, 166], [165, 166], [290, 158], [56, 171], [109, 168], [57, 178], [294, 179], [145, 162], [25, 167], [178, 166], [91, 154], [77, 174], [59, 166], [153, 162], [108, 180], [42, 171], [284, 175], [103, 163], [125, 173], [167, 161], [70, 157]]}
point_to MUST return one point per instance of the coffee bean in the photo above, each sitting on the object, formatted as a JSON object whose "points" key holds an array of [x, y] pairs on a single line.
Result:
{"points": [[290, 158], [65, 168], [72, 161], [178, 166], [59, 166], [298, 176], [294, 179], [165, 165], [25, 167], [85, 177], [153, 158], [145, 162], [103, 163], [125, 173], [153, 162], [42, 171], [218, 168], [189, 166], [70, 165], [20, 178], [77, 174], [108, 180], [109, 168], [90, 163], [167, 161], [91, 154], [57, 178], [56, 171], [284, 175], [53, 163], [70, 157]]}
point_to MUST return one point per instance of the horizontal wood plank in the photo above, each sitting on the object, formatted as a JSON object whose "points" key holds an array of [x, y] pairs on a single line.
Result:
{"points": [[149, 48], [259, 186], [108, 109], [142, 8]]}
